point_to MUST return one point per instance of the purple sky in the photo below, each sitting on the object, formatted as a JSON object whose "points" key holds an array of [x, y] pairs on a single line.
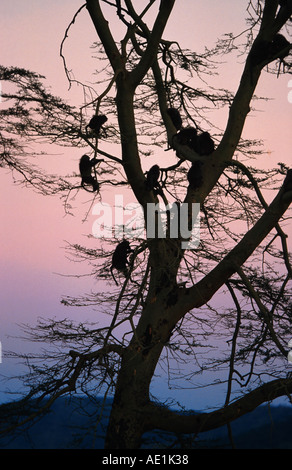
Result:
{"points": [[33, 228]]}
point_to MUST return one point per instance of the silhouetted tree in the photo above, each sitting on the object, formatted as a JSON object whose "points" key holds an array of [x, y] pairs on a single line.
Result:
{"points": [[165, 305]]}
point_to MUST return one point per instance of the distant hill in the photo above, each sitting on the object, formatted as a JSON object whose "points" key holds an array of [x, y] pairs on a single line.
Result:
{"points": [[74, 424]]}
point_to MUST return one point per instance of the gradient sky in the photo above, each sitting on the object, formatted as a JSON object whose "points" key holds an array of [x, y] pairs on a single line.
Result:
{"points": [[34, 230]]}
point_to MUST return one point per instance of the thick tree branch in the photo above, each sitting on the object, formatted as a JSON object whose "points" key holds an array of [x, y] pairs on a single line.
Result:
{"points": [[153, 41], [204, 290], [104, 33], [167, 420], [264, 311], [280, 232], [241, 103]]}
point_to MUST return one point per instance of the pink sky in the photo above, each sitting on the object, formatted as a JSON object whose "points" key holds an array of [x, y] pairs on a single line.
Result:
{"points": [[33, 228]]}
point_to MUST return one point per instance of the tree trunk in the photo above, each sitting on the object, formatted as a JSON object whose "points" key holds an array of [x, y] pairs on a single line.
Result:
{"points": [[127, 421]]}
